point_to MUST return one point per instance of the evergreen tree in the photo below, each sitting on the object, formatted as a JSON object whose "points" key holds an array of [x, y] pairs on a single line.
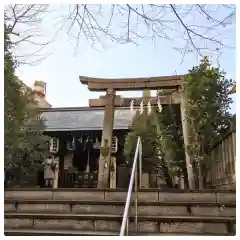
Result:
{"points": [[25, 146], [208, 111]]}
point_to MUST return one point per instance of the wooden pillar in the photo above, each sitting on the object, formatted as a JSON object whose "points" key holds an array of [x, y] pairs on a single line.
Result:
{"points": [[106, 143], [185, 129]]}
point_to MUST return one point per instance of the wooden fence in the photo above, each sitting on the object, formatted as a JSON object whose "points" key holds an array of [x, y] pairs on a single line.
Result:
{"points": [[223, 157]]}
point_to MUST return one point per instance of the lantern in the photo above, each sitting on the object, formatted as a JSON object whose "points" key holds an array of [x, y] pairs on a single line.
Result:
{"points": [[114, 144], [53, 145]]}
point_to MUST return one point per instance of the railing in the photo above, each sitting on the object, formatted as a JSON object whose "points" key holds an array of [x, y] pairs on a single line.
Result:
{"points": [[223, 157], [125, 221], [78, 179]]}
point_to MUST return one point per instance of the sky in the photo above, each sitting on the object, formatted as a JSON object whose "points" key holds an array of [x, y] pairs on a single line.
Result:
{"points": [[61, 70]]}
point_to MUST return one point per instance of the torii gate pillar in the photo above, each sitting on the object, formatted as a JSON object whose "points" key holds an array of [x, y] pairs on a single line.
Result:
{"points": [[106, 143]]}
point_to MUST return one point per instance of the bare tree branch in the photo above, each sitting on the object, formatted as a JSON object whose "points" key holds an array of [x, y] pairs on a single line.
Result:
{"points": [[186, 28], [189, 28], [23, 21], [151, 21], [128, 23]]}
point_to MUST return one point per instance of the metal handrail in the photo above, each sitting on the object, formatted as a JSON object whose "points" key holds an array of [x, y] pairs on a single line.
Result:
{"points": [[130, 189]]}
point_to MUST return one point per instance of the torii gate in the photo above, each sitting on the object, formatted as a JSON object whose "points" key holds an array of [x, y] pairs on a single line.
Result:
{"points": [[110, 101]]}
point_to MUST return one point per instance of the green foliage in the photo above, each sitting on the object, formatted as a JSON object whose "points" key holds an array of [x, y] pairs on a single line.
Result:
{"points": [[172, 139], [155, 154], [207, 90], [24, 143], [143, 126]]}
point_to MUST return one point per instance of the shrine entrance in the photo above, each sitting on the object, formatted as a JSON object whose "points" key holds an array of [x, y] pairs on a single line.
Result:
{"points": [[79, 160], [79, 154], [167, 84]]}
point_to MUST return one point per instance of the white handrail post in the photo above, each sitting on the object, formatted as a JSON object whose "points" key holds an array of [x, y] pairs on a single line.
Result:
{"points": [[140, 164], [136, 196], [130, 188]]}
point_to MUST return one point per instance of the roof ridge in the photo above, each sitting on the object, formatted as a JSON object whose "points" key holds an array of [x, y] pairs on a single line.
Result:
{"points": [[67, 109]]}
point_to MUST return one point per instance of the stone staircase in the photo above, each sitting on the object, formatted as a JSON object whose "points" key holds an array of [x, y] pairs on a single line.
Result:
{"points": [[99, 212]]}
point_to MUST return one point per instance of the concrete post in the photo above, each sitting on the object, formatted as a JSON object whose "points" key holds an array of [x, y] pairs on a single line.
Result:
{"points": [[185, 129], [104, 160]]}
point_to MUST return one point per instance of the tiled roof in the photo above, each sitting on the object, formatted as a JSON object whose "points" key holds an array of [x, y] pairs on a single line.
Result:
{"points": [[85, 118]]}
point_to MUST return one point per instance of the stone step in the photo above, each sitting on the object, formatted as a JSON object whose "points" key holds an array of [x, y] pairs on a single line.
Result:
{"points": [[144, 195], [112, 223], [117, 207], [35, 232]]}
